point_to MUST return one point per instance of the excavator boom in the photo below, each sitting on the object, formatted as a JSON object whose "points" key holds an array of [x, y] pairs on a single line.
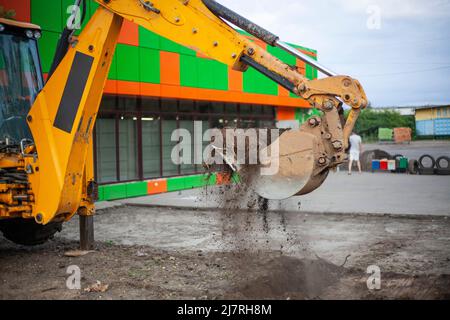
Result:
{"points": [[58, 160]]}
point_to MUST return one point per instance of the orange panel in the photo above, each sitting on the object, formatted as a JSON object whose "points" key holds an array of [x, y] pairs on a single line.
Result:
{"points": [[223, 178], [285, 114], [21, 7], [110, 87], [235, 80], [150, 89], [170, 91], [177, 92], [157, 186], [170, 68], [282, 92], [128, 88], [311, 54], [301, 66], [129, 34]]}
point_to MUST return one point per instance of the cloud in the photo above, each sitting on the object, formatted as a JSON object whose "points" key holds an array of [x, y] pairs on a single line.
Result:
{"points": [[393, 9], [401, 63]]}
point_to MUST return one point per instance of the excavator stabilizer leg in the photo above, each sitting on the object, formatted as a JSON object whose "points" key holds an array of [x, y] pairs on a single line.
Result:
{"points": [[86, 232]]}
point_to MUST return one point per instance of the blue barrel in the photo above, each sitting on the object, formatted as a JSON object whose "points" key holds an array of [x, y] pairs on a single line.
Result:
{"points": [[375, 165]]}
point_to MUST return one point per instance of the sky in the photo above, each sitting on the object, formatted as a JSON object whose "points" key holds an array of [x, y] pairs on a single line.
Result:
{"points": [[398, 49]]}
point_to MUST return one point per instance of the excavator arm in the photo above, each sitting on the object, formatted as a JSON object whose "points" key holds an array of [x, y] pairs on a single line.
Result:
{"points": [[202, 25], [59, 161]]}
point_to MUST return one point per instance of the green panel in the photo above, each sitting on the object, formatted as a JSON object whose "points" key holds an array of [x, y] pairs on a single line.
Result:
{"points": [[137, 189], [188, 71], [186, 51], [205, 74], [220, 71], [127, 62], [150, 66], [47, 14], [93, 7], [148, 39], [151, 40], [101, 193], [113, 69], [235, 178], [255, 82], [168, 45], [199, 181], [212, 74], [175, 184], [211, 180], [311, 73], [194, 182], [47, 46], [113, 192]]}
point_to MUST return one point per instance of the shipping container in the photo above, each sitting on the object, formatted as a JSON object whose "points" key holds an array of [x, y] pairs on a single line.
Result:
{"points": [[436, 127], [442, 127], [425, 128]]}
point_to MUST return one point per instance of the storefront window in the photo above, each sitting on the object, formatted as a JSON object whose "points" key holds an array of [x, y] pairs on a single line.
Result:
{"points": [[105, 132], [150, 105], [217, 108], [187, 106], [133, 134], [246, 109], [169, 167], [128, 148], [203, 107], [151, 147], [188, 168]]}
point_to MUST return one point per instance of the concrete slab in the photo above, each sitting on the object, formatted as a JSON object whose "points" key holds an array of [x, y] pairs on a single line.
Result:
{"points": [[368, 193]]}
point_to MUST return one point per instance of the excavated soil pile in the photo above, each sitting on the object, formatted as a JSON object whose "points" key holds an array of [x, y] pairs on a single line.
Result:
{"points": [[286, 277]]}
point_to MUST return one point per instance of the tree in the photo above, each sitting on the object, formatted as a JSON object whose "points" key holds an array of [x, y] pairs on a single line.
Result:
{"points": [[370, 120]]}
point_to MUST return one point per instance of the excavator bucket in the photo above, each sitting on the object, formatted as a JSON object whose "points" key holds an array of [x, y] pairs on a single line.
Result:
{"points": [[295, 162], [286, 168]]}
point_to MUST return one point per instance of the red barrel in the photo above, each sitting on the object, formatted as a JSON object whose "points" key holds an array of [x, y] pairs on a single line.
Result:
{"points": [[383, 164]]}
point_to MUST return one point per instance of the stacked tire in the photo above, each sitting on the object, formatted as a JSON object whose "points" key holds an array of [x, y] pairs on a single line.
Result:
{"points": [[443, 166], [427, 165]]}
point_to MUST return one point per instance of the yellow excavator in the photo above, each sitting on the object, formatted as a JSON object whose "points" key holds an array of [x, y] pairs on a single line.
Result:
{"points": [[46, 148]]}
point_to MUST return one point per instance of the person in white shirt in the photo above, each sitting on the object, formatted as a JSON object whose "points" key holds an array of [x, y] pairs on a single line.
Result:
{"points": [[355, 150]]}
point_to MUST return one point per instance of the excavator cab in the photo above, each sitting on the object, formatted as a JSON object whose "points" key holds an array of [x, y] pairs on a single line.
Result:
{"points": [[20, 79]]}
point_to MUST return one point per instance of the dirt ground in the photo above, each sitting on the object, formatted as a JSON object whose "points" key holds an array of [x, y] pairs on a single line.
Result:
{"points": [[237, 255]]}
